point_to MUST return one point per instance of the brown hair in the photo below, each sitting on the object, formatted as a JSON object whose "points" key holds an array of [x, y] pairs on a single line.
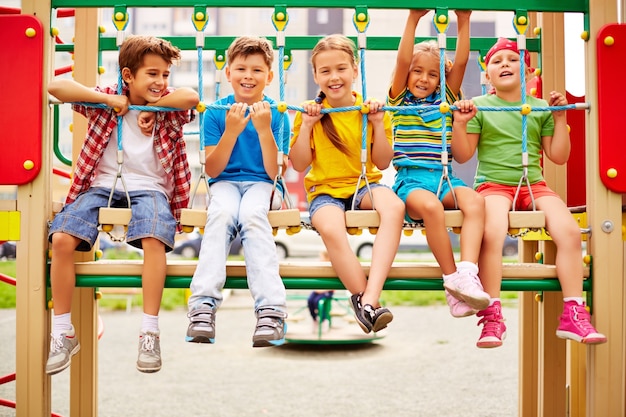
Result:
{"points": [[134, 48], [245, 46], [333, 43]]}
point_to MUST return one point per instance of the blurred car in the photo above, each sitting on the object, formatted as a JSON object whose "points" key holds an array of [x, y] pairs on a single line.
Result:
{"points": [[190, 247], [117, 249], [7, 250]]}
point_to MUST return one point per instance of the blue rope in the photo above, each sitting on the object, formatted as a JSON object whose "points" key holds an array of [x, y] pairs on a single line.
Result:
{"points": [[364, 93], [407, 109], [200, 91], [442, 87], [523, 87], [281, 80]]}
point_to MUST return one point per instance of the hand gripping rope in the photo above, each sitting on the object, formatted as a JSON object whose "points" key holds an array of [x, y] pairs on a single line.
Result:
{"points": [[109, 216], [191, 218]]}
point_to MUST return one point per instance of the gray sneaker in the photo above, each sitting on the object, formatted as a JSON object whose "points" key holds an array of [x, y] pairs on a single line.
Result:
{"points": [[201, 325], [62, 349], [270, 328], [149, 359]]}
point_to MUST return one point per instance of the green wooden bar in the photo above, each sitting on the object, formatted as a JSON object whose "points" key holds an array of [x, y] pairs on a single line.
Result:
{"points": [[374, 43], [493, 5], [311, 283]]}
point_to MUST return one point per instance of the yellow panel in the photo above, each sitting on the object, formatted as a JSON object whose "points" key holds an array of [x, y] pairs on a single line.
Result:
{"points": [[9, 225]]}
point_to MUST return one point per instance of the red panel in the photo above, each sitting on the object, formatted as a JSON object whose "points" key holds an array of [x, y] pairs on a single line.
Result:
{"points": [[21, 84], [576, 177], [611, 115]]}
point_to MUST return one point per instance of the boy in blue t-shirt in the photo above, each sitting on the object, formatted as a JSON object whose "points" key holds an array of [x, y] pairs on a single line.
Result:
{"points": [[241, 153]]}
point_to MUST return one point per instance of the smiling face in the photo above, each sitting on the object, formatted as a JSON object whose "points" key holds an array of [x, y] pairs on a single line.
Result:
{"points": [[334, 71], [249, 75], [423, 77], [149, 81], [503, 70]]}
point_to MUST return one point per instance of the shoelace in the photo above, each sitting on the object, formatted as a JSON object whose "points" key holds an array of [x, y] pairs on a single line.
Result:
{"points": [[148, 343], [56, 344], [581, 318], [491, 327]]}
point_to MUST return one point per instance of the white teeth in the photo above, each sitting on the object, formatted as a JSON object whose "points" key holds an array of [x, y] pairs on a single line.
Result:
{"points": [[247, 85]]}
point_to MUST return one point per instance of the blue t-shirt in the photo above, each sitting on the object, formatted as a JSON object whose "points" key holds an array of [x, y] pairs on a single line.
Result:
{"points": [[246, 160]]}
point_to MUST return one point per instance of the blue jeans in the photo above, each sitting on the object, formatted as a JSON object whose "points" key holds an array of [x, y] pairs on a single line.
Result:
{"points": [[151, 217], [344, 204], [238, 207]]}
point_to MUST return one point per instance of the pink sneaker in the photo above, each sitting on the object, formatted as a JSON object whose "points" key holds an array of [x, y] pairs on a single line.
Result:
{"points": [[466, 286], [458, 308], [575, 324], [494, 330]]}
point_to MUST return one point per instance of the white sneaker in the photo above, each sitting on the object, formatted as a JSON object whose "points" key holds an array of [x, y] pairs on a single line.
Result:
{"points": [[62, 349], [459, 308], [465, 286]]}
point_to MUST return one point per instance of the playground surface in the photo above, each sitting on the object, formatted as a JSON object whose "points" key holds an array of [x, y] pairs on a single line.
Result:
{"points": [[426, 365]]}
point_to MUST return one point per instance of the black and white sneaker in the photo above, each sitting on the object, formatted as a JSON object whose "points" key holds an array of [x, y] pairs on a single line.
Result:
{"points": [[364, 314]]}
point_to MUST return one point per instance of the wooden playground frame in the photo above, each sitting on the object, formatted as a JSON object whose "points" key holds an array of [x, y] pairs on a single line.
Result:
{"points": [[556, 377]]}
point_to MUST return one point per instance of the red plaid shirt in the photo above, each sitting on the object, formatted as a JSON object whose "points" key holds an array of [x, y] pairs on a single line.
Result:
{"points": [[168, 143]]}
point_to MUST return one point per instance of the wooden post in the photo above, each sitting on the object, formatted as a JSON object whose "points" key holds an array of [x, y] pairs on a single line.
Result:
{"points": [[84, 369], [34, 202], [606, 384]]}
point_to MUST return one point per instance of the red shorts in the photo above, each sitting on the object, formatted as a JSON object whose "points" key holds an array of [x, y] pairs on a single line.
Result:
{"points": [[524, 201]]}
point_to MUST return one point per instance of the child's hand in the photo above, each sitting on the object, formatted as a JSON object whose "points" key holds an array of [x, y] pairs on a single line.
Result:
{"points": [[463, 14], [312, 113], [418, 13], [145, 121], [236, 118], [261, 115], [375, 114], [557, 99], [118, 103], [466, 110]]}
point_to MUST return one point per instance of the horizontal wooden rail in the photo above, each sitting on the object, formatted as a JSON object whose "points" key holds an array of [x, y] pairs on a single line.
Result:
{"points": [[315, 275]]}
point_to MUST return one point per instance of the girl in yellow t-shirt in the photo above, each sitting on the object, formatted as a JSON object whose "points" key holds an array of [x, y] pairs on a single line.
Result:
{"points": [[330, 144]]}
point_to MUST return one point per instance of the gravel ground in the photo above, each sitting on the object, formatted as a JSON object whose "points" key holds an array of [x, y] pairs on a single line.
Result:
{"points": [[425, 365]]}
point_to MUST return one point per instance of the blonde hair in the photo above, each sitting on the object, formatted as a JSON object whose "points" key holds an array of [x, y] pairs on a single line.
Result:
{"points": [[340, 43], [245, 46], [431, 48]]}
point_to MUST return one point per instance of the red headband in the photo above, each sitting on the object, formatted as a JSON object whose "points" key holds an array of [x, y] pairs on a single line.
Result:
{"points": [[504, 43]]}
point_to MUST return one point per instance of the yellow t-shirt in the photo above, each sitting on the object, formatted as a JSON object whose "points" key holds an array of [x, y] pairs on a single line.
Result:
{"points": [[333, 172]]}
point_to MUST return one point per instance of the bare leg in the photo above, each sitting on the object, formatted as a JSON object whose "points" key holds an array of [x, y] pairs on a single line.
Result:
{"points": [[153, 275], [330, 222], [565, 233], [496, 227], [62, 271], [422, 204], [391, 212]]}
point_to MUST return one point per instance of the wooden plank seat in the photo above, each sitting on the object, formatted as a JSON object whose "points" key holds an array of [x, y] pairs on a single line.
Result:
{"points": [[315, 275]]}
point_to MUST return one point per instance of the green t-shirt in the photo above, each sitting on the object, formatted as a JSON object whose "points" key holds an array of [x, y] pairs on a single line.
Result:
{"points": [[500, 143]]}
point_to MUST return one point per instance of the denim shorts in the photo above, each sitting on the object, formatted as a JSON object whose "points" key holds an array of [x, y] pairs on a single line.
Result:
{"points": [[151, 217], [411, 179], [343, 203]]}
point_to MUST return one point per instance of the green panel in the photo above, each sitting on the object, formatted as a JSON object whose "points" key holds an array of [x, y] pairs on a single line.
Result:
{"points": [[374, 43], [495, 5]]}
